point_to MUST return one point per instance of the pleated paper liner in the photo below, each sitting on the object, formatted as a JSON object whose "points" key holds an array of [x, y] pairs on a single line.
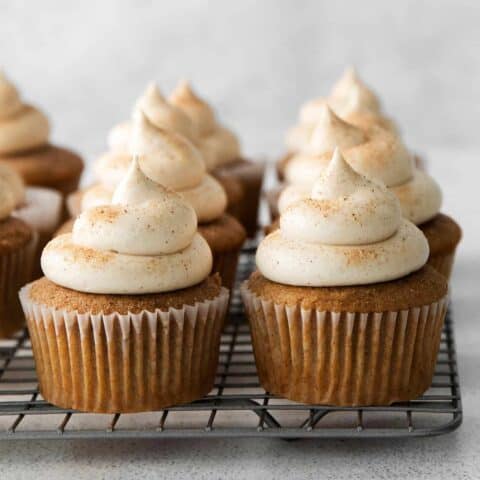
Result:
{"points": [[15, 271], [342, 358], [125, 363], [442, 263]]}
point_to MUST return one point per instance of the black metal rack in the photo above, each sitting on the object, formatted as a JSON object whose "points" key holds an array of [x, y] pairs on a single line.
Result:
{"points": [[237, 407]]}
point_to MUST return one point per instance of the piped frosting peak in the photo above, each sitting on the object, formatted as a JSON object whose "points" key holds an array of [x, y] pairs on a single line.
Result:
{"points": [[145, 241], [349, 231]]}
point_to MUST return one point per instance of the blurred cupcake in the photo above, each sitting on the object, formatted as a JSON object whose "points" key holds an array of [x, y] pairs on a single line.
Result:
{"points": [[163, 115], [379, 155], [173, 161], [39, 207], [17, 247], [24, 145], [222, 153], [342, 309], [352, 101], [129, 303]]}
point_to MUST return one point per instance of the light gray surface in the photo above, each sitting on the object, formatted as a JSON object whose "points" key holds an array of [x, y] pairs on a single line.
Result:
{"points": [[85, 63]]}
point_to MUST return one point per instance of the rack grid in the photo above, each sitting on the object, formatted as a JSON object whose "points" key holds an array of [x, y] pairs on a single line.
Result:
{"points": [[237, 407]]}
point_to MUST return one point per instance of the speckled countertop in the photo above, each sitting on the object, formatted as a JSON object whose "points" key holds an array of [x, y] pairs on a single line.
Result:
{"points": [[456, 455]]}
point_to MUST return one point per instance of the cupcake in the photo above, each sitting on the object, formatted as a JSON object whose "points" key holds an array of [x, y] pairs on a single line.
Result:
{"points": [[39, 207], [129, 303], [222, 153], [380, 155], [173, 161], [163, 115], [343, 310], [17, 247], [24, 145], [352, 100]]}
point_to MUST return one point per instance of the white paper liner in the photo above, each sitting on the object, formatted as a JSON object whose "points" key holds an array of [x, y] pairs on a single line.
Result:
{"points": [[344, 358], [15, 271], [125, 363]]}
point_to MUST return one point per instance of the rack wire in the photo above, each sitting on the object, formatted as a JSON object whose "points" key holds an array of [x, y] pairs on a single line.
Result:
{"points": [[237, 407]]}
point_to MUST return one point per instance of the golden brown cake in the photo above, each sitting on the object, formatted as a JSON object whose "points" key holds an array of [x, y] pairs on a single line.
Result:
{"points": [[343, 310]]}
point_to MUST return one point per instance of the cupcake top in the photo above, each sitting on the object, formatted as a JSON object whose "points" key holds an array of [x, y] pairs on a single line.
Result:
{"points": [[22, 126], [349, 231], [373, 152], [171, 160], [160, 112], [351, 99], [145, 241], [218, 144]]}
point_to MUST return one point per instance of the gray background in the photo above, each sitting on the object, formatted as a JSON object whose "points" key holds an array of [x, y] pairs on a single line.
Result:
{"points": [[85, 63]]}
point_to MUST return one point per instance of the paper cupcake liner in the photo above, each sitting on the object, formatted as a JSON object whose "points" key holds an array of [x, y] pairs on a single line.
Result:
{"points": [[15, 271], [344, 358], [125, 363], [442, 263], [225, 263]]}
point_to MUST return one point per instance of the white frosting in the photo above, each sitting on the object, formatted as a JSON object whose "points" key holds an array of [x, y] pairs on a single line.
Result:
{"points": [[351, 99], [21, 126], [41, 209], [373, 152], [197, 109], [144, 242], [118, 138], [349, 232], [218, 144], [173, 161]]}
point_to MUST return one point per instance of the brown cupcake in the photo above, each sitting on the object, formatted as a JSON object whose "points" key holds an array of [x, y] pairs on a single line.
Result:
{"points": [[343, 309], [234, 191], [47, 166], [250, 174], [17, 245], [364, 345], [124, 353], [443, 235]]}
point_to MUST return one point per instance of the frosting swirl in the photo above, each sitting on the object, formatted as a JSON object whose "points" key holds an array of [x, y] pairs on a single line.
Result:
{"points": [[161, 113], [21, 126], [348, 232], [148, 234], [218, 144], [168, 159], [349, 98], [197, 109], [373, 152]]}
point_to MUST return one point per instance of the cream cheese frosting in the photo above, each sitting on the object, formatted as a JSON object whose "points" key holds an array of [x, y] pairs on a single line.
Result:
{"points": [[348, 232], [160, 112], [349, 98], [218, 144], [145, 241], [22, 126], [167, 158], [373, 152]]}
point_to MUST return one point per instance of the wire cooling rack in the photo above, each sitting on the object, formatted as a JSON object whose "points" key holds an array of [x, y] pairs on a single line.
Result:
{"points": [[237, 407]]}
